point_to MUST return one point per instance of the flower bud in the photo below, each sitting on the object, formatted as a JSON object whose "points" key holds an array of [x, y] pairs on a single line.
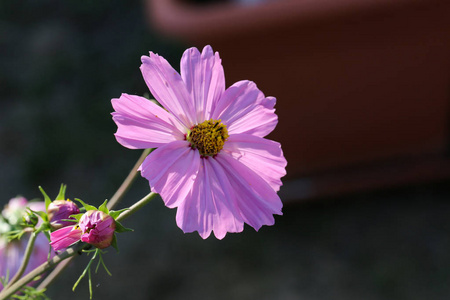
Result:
{"points": [[97, 228], [29, 219], [15, 210], [16, 217], [60, 210]]}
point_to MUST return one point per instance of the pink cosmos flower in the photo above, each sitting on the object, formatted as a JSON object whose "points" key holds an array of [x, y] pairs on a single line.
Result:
{"points": [[60, 210], [212, 162], [95, 228], [11, 253]]}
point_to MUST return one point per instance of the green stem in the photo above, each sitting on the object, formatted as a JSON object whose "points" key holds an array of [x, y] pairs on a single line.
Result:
{"points": [[115, 199], [25, 260], [55, 272], [137, 206]]}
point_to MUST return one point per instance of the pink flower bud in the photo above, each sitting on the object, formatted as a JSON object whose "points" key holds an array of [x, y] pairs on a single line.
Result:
{"points": [[98, 228], [60, 210], [95, 228]]}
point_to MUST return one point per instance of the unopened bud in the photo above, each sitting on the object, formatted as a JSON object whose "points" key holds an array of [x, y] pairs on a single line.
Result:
{"points": [[29, 219], [97, 228], [59, 211]]}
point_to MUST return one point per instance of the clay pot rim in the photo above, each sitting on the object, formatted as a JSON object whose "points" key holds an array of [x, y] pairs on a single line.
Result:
{"points": [[193, 22]]}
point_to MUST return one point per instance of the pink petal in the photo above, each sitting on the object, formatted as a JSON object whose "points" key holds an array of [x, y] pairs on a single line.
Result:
{"points": [[255, 198], [204, 78], [263, 156], [17, 203], [245, 109], [168, 88], [171, 171], [210, 204], [64, 237], [36, 206], [142, 124], [11, 255]]}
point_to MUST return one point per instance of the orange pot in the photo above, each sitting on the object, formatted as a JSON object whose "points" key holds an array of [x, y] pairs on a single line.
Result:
{"points": [[357, 82]]}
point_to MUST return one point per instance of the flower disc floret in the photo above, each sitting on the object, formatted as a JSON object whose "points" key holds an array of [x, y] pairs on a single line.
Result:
{"points": [[208, 137]]}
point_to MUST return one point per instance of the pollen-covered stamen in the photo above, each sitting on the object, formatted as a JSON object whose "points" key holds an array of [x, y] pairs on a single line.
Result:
{"points": [[208, 137], [89, 227]]}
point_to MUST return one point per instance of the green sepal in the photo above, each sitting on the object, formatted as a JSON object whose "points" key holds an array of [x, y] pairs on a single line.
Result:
{"points": [[47, 234], [46, 198], [86, 206], [30, 219], [62, 192], [41, 214], [45, 227], [103, 207], [71, 220], [14, 235], [76, 216], [120, 228], [114, 243], [29, 292], [115, 213]]}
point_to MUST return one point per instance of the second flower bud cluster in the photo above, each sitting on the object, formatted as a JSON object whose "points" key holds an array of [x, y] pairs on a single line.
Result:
{"points": [[95, 226]]}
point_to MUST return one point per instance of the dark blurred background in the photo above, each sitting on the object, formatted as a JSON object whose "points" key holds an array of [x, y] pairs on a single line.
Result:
{"points": [[363, 105]]}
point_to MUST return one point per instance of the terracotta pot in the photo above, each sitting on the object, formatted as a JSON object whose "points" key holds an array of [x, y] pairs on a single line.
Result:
{"points": [[357, 82]]}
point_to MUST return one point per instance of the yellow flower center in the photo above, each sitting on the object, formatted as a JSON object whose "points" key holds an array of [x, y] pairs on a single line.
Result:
{"points": [[208, 137]]}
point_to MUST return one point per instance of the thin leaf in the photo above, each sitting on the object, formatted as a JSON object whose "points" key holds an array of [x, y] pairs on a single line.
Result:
{"points": [[46, 198], [89, 251], [41, 214], [86, 206], [79, 278], [69, 220], [98, 263], [47, 234], [76, 216], [84, 272], [103, 207], [102, 262], [121, 228], [116, 213], [62, 192], [114, 243], [90, 283]]}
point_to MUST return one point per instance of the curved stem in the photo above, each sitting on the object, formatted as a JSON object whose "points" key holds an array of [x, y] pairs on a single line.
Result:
{"points": [[25, 260], [137, 206], [115, 199], [55, 272]]}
